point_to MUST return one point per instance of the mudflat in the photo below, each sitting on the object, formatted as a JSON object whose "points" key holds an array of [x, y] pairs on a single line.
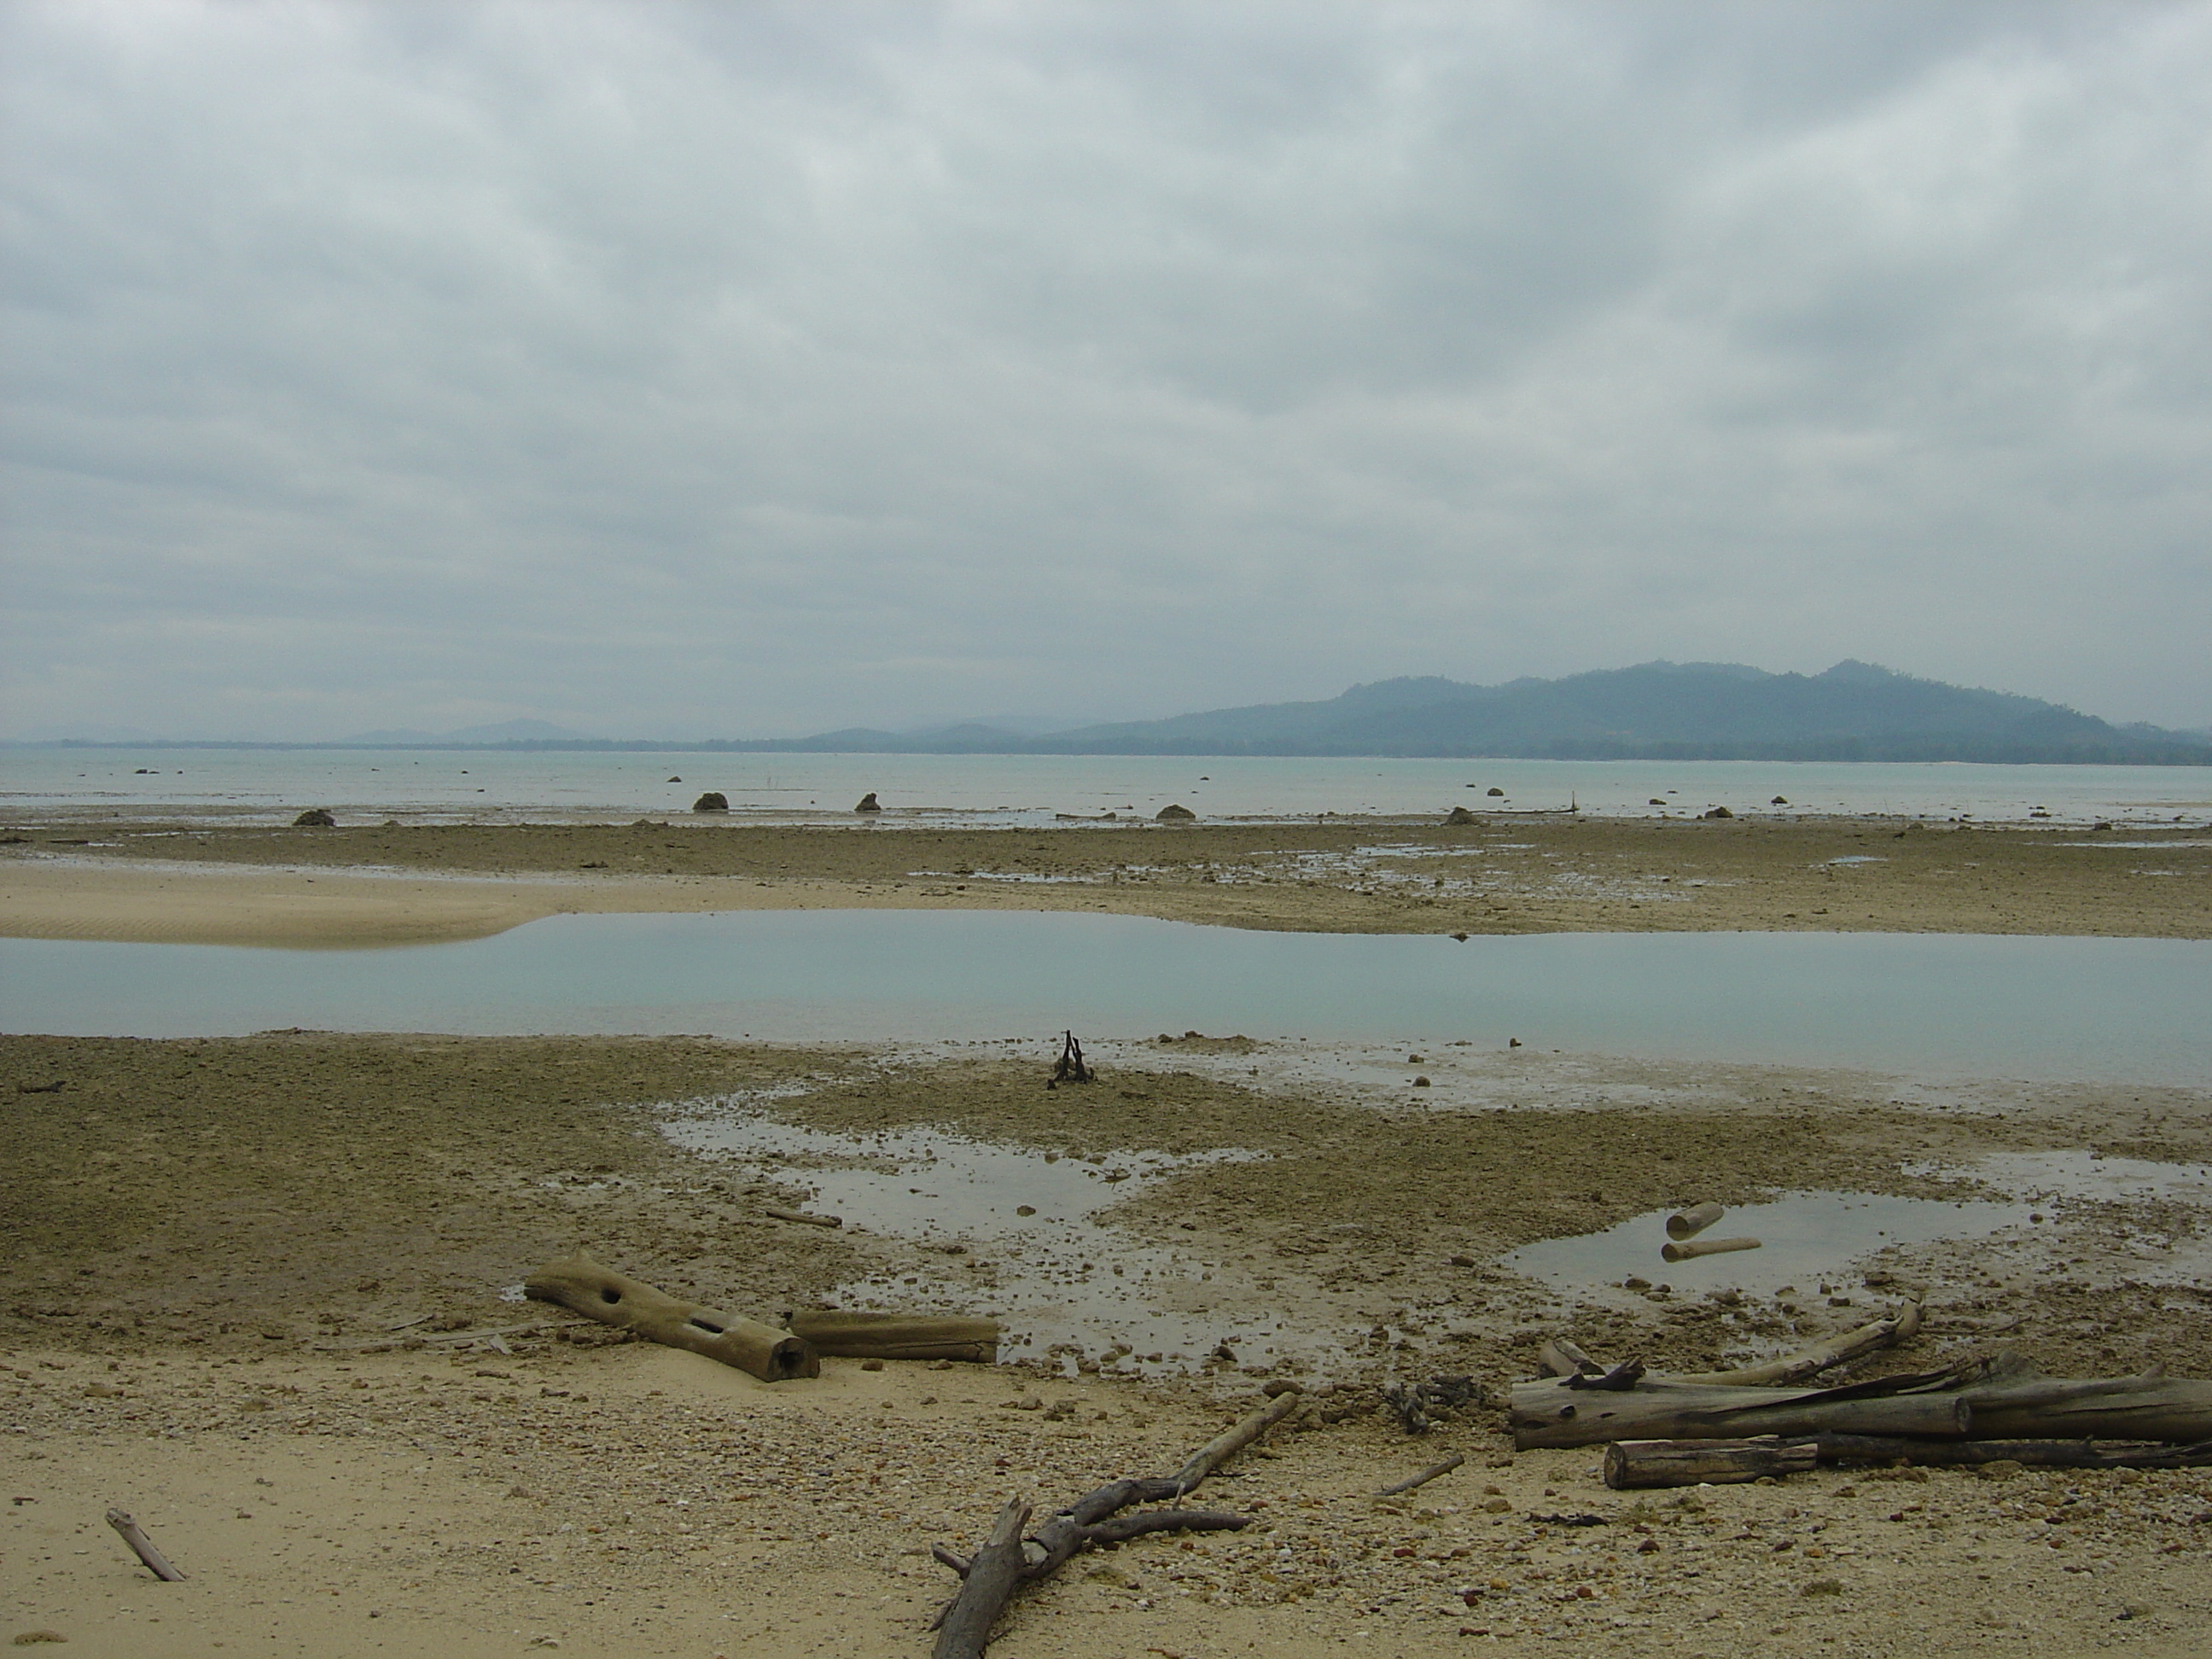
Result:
{"points": [[245, 1275], [203, 880]]}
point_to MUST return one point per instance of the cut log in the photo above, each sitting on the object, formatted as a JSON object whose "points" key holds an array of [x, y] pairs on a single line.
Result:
{"points": [[142, 1546], [1900, 1327], [1690, 1249], [1549, 1413], [804, 1218], [1688, 1223], [1632, 1464], [899, 1336], [582, 1286]]}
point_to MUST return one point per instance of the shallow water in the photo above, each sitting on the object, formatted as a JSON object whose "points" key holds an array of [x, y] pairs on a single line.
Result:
{"points": [[494, 785], [2112, 1010]]}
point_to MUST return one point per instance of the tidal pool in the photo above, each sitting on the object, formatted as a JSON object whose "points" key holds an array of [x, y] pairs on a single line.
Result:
{"points": [[2111, 1010]]}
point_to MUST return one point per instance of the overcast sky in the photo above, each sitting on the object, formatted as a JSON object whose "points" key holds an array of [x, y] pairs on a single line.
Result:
{"points": [[754, 368]]}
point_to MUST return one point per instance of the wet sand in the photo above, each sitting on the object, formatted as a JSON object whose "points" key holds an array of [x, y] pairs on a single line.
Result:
{"points": [[235, 1264], [204, 881]]}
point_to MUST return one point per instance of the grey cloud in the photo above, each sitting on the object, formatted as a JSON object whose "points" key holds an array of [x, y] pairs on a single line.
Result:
{"points": [[708, 368]]}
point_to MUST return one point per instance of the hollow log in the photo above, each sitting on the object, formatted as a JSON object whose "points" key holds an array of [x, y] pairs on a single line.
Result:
{"points": [[1900, 1327], [1629, 1464], [899, 1336], [1692, 1248], [582, 1286], [1551, 1413]]}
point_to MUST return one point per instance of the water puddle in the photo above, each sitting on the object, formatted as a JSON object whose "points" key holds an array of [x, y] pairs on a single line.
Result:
{"points": [[1830, 1239], [1806, 1239], [1022, 1233]]}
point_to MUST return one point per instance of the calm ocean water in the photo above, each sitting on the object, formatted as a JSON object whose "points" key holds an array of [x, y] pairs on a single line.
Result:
{"points": [[450, 786]]}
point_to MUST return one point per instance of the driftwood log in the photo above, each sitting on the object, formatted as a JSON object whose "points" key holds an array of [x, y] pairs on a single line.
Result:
{"points": [[1632, 1464], [1554, 1413], [1688, 1223], [1629, 1464], [1900, 1327], [1429, 1474], [899, 1336], [1560, 1357], [964, 1625], [2001, 1399], [142, 1546], [1696, 1246], [582, 1286]]}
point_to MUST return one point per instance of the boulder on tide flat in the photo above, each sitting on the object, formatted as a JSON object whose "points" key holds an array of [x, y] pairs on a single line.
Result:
{"points": [[869, 803], [1172, 813], [712, 801], [314, 818]]}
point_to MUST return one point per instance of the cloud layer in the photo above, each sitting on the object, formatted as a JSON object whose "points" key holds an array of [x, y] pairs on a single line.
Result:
{"points": [[682, 369]]}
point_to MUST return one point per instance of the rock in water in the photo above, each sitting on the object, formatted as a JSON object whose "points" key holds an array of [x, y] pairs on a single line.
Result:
{"points": [[1717, 812], [1172, 813], [869, 803], [1460, 814], [314, 818], [712, 801], [1494, 790]]}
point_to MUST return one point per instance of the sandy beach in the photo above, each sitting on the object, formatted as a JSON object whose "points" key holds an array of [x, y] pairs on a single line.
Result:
{"points": [[237, 1264], [246, 1270]]}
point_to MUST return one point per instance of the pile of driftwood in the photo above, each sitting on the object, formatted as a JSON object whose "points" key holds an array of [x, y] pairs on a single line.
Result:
{"points": [[1739, 1426]]}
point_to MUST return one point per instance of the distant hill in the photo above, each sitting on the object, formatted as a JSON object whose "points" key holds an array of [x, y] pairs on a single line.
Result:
{"points": [[1656, 710]]}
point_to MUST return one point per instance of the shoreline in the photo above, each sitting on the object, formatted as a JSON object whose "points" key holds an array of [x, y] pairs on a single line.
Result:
{"points": [[191, 882], [217, 1244]]}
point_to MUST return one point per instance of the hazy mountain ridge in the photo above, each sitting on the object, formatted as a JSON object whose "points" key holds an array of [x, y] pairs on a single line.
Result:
{"points": [[1654, 710]]}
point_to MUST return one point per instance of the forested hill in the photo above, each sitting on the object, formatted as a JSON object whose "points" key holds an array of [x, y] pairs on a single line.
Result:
{"points": [[1657, 710]]}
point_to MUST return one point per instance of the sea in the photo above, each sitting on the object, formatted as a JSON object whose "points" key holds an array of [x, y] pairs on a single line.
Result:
{"points": [[444, 785]]}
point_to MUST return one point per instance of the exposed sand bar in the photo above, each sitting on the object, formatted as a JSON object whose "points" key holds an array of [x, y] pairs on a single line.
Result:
{"points": [[198, 881]]}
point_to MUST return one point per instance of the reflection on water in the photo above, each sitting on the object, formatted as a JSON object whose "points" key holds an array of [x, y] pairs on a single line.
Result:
{"points": [[2106, 1009]]}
